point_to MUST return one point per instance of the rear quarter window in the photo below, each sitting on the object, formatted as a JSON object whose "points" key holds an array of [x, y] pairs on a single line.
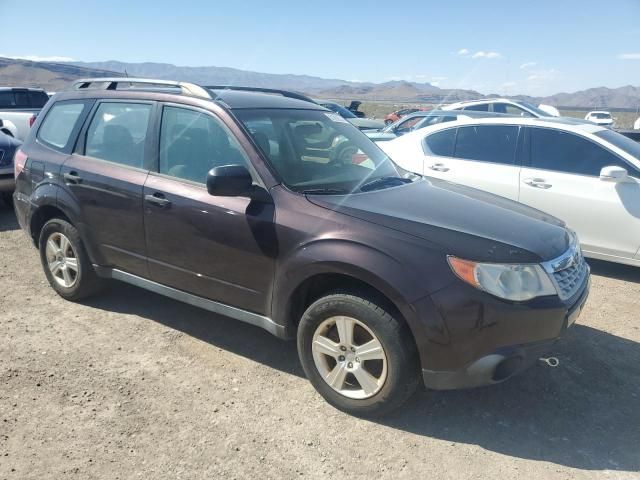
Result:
{"points": [[60, 121], [441, 143]]}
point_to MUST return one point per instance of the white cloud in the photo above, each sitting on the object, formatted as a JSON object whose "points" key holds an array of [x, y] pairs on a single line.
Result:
{"points": [[463, 52], [482, 54], [509, 84], [629, 56], [543, 75], [438, 79], [37, 58], [526, 65]]}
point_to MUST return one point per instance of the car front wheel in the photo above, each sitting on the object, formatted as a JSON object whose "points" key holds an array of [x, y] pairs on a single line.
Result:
{"points": [[358, 356]]}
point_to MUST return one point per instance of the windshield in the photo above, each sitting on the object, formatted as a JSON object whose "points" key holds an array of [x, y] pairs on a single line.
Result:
{"points": [[334, 107], [623, 143], [601, 116], [315, 151], [535, 109]]}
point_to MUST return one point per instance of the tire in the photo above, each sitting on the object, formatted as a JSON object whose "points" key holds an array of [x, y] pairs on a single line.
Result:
{"points": [[84, 282], [7, 198], [388, 122], [396, 374]]}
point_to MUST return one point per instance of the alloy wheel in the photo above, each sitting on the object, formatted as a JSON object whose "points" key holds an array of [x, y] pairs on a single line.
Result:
{"points": [[62, 260], [349, 357]]}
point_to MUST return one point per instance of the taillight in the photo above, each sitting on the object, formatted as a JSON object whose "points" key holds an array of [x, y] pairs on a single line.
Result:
{"points": [[32, 120], [19, 160]]}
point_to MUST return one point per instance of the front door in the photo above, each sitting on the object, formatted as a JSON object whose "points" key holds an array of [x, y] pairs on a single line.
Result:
{"points": [[106, 176], [563, 178], [220, 248]]}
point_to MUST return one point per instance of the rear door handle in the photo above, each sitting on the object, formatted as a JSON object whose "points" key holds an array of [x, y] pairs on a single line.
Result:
{"points": [[72, 177], [439, 167], [537, 183], [158, 200]]}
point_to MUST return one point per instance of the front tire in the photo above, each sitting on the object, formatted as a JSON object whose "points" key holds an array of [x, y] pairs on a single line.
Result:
{"points": [[65, 261], [357, 355]]}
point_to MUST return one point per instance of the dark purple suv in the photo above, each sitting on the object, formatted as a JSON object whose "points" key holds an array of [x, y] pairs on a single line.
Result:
{"points": [[274, 211]]}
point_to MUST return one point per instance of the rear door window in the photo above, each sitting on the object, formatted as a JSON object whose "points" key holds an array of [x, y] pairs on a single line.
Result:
{"points": [[441, 143], [38, 99], [483, 107], [59, 123], [487, 143], [566, 152], [509, 109], [118, 132]]}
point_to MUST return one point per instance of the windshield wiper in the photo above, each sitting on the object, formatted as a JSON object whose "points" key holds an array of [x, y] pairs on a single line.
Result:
{"points": [[384, 182], [324, 191]]}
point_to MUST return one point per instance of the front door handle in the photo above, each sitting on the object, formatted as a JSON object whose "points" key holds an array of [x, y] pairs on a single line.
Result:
{"points": [[537, 183], [439, 167], [158, 200], [72, 177]]}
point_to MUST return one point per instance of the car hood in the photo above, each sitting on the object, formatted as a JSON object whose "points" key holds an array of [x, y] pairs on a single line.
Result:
{"points": [[367, 123], [463, 221], [378, 136]]}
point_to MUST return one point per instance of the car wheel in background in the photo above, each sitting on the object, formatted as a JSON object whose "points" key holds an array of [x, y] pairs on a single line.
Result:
{"points": [[358, 356]]}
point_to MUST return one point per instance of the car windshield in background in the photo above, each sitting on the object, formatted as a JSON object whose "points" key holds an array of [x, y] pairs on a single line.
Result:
{"points": [[601, 116], [618, 140], [334, 107], [319, 152], [536, 110]]}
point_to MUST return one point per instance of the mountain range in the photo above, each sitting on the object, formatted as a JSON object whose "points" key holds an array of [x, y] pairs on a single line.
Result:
{"points": [[57, 76]]}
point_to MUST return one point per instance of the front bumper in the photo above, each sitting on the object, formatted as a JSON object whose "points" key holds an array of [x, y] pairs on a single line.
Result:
{"points": [[490, 340]]}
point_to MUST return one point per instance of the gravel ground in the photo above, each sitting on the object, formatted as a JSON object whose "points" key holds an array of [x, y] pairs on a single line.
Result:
{"points": [[132, 385]]}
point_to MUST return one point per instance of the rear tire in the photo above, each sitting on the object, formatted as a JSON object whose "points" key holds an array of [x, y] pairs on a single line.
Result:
{"points": [[65, 261], [335, 335], [388, 122]]}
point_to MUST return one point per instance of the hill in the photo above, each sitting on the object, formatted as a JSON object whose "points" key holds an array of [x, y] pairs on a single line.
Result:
{"points": [[56, 76]]}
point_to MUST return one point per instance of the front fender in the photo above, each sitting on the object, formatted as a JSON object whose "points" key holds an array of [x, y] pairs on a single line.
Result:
{"points": [[386, 274]]}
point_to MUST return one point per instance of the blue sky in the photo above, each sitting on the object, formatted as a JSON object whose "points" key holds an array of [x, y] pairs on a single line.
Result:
{"points": [[536, 47]]}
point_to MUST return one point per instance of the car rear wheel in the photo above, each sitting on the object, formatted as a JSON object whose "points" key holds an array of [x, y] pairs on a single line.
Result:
{"points": [[388, 122], [358, 356], [65, 261]]}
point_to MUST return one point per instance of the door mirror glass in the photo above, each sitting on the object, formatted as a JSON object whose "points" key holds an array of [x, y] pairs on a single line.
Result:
{"points": [[613, 174], [229, 181]]}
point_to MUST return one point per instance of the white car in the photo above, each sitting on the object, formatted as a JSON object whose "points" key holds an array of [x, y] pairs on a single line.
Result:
{"points": [[636, 125], [600, 118], [582, 173], [506, 106]]}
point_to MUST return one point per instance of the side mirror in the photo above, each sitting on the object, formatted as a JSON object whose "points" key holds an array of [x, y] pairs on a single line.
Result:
{"points": [[229, 181], [613, 174]]}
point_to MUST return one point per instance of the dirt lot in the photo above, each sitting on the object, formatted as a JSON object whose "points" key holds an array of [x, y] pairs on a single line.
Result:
{"points": [[133, 385]]}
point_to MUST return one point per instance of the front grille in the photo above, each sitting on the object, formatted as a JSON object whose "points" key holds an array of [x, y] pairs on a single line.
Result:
{"points": [[570, 279]]}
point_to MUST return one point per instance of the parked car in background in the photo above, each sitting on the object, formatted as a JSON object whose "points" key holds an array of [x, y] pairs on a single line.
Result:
{"points": [[500, 105], [18, 109], [421, 119], [636, 124], [354, 108], [600, 117], [553, 111], [398, 114], [585, 174], [384, 278], [8, 147], [361, 123]]}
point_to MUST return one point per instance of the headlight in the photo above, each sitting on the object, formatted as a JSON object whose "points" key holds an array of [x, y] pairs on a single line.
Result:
{"points": [[509, 281]]}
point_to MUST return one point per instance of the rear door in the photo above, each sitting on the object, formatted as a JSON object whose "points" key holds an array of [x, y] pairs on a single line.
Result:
{"points": [[480, 156], [105, 177], [561, 176], [220, 248]]}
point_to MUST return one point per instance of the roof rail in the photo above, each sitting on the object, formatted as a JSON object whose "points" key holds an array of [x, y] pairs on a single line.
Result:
{"points": [[111, 83], [284, 93]]}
